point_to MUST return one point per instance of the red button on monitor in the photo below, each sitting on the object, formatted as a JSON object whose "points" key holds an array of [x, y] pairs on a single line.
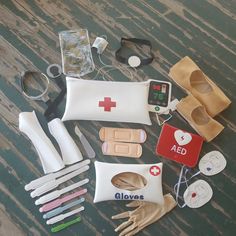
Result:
{"points": [[156, 87]]}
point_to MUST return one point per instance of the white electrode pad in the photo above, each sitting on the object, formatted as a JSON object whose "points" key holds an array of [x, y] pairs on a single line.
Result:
{"points": [[150, 174], [198, 194], [212, 163], [107, 101]]}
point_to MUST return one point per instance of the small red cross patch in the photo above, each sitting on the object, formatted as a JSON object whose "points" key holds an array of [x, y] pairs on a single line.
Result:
{"points": [[155, 170], [107, 104]]}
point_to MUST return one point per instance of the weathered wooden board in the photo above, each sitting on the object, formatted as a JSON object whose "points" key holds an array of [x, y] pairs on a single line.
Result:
{"points": [[204, 30]]}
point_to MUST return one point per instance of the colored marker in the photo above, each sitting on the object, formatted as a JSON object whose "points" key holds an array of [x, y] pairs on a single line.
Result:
{"points": [[65, 225], [58, 202], [55, 183], [63, 216], [55, 194], [59, 210]]}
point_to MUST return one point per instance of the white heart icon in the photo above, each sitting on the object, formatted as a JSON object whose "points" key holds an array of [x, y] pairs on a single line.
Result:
{"points": [[182, 138]]}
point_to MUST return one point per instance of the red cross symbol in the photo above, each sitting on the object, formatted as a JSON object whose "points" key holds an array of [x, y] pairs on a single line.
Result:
{"points": [[155, 170], [107, 104]]}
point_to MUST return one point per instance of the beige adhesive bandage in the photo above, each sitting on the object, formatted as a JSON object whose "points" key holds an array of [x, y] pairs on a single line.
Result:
{"points": [[122, 149], [191, 78], [122, 135], [194, 112]]}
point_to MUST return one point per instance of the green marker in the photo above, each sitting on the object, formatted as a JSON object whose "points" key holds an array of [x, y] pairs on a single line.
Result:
{"points": [[65, 225]]}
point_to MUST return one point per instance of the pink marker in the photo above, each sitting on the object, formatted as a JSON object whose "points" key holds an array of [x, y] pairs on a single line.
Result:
{"points": [[51, 205]]}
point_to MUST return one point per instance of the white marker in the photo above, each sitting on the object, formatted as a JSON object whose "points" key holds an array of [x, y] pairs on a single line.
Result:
{"points": [[55, 194], [63, 216], [54, 183], [46, 178]]}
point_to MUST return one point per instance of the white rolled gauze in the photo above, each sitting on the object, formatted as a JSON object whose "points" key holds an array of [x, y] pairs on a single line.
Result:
{"points": [[69, 150], [30, 126]]}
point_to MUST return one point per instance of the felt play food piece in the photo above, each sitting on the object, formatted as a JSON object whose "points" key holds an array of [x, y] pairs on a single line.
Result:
{"points": [[198, 194], [107, 101], [191, 78], [212, 163], [113, 182], [122, 149], [122, 135], [143, 215], [179, 145], [194, 112]]}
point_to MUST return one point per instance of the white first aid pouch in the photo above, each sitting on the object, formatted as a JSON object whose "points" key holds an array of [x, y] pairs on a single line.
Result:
{"points": [[107, 101], [128, 182]]}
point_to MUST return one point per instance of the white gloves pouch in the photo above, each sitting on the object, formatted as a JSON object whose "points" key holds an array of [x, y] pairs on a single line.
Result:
{"points": [[151, 191]]}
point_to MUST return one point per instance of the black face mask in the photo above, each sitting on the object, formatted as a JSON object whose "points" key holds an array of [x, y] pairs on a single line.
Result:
{"points": [[134, 60]]}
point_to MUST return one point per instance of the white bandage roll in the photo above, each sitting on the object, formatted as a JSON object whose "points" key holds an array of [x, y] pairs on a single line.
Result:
{"points": [[50, 158], [69, 150]]}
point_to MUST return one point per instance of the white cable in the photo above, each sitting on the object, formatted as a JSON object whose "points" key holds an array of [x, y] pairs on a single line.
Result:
{"points": [[177, 185], [120, 68]]}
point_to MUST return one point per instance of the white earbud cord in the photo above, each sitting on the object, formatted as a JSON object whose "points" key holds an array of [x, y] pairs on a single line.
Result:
{"points": [[180, 181]]}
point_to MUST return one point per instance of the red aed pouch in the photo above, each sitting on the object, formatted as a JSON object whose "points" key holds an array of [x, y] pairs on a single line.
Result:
{"points": [[178, 145]]}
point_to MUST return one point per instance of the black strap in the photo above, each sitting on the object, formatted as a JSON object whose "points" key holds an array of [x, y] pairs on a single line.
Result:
{"points": [[144, 61], [52, 108]]}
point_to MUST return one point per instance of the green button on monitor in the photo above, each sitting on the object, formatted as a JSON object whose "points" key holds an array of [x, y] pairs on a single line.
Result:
{"points": [[157, 108]]}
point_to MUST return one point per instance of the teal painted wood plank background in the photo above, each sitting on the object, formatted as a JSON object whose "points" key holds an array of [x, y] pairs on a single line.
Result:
{"points": [[204, 30]]}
